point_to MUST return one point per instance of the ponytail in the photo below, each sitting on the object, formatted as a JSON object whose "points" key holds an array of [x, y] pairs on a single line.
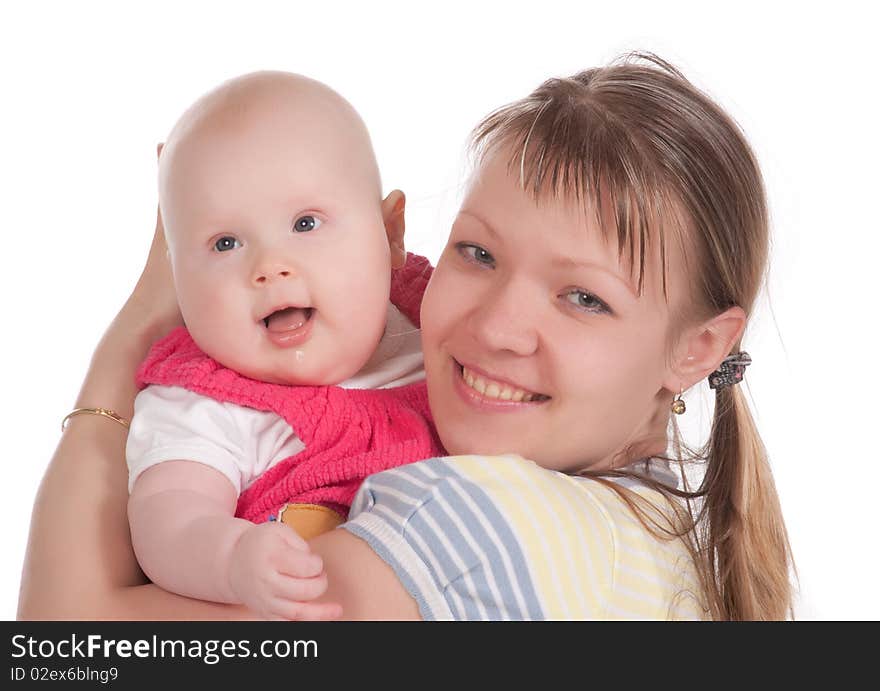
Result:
{"points": [[745, 551], [732, 524]]}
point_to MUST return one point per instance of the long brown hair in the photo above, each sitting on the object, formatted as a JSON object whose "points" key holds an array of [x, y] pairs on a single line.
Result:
{"points": [[639, 139]]}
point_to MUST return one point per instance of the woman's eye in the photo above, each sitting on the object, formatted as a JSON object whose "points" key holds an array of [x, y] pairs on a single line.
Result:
{"points": [[586, 301], [306, 223], [226, 243], [475, 253]]}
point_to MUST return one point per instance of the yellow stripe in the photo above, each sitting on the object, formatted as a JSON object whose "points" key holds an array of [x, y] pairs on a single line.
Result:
{"points": [[591, 544], [650, 570], [565, 525], [484, 472], [547, 529], [546, 509]]}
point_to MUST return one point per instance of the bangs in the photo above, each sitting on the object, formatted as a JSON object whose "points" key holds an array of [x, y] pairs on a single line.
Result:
{"points": [[565, 145]]}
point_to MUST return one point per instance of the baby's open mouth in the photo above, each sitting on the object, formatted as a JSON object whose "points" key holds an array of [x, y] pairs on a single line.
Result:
{"points": [[287, 319]]}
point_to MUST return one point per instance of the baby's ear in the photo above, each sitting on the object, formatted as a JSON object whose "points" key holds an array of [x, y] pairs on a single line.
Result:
{"points": [[159, 149], [392, 214]]}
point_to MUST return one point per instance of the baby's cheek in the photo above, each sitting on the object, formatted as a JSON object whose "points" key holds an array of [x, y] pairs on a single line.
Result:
{"points": [[211, 338], [194, 296], [362, 341]]}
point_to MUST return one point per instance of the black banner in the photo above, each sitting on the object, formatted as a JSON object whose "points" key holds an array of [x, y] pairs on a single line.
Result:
{"points": [[135, 654]]}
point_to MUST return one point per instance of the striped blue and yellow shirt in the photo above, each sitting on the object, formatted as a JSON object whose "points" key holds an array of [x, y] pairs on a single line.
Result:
{"points": [[500, 538]]}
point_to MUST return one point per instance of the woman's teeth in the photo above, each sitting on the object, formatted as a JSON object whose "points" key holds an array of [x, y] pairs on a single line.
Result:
{"points": [[497, 390]]}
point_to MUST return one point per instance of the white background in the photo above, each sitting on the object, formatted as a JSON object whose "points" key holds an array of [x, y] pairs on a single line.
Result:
{"points": [[88, 89]]}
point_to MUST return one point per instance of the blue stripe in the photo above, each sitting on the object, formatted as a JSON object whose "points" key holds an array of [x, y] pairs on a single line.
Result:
{"points": [[504, 579], [437, 510], [408, 520], [381, 549], [411, 520], [401, 484], [473, 564]]}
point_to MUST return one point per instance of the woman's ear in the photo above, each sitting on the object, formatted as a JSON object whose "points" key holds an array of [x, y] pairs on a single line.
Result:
{"points": [[392, 214], [702, 348]]}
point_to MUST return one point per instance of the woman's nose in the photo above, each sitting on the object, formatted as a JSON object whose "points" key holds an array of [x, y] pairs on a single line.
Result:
{"points": [[507, 319]]}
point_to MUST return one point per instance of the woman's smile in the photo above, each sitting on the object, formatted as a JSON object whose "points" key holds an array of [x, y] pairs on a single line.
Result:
{"points": [[477, 387]]}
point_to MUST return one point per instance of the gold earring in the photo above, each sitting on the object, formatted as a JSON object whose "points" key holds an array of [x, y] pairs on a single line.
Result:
{"points": [[678, 406]]}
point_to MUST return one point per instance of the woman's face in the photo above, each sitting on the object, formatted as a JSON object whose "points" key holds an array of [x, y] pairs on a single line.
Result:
{"points": [[535, 340]]}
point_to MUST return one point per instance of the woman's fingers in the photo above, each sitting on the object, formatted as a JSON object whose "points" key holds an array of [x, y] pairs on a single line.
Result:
{"points": [[154, 293]]}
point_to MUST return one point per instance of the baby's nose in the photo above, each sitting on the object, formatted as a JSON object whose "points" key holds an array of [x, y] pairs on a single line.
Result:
{"points": [[267, 273]]}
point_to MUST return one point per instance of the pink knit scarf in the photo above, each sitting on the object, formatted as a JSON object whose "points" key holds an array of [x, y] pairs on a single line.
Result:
{"points": [[348, 433]]}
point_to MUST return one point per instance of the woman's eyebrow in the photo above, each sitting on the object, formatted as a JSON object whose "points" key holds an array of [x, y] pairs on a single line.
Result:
{"points": [[569, 263], [482, 221]]}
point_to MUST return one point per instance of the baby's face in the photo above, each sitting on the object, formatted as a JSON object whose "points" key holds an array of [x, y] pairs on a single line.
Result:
{"points": [[279, 251]]}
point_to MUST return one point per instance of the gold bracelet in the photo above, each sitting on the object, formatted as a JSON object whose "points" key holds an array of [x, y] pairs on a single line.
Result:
{"points": [[104, 412]]}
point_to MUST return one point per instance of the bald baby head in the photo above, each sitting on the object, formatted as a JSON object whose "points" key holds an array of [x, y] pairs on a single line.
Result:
{"points": [[273, 110]]}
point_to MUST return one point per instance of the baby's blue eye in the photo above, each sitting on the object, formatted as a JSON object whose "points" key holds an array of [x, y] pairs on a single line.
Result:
{"points": [[475, 253], [306, 223], [226, 243]]}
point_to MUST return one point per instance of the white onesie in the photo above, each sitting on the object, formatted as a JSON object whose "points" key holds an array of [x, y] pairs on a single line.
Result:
{"points": [[171, 423]]}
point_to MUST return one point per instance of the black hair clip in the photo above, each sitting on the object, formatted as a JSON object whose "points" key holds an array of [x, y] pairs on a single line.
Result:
{"points": [[730, 371]]}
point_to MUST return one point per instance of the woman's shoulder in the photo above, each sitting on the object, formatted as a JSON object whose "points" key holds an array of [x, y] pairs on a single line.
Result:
{"points": [[571, 542], [523, 486], [514, 485]]}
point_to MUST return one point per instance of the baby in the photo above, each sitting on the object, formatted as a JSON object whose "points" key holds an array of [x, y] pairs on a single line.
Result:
{"points": [[275, 401]]}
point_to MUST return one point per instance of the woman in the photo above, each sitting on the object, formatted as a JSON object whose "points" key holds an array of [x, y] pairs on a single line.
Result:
{"points": [[606, 258]]}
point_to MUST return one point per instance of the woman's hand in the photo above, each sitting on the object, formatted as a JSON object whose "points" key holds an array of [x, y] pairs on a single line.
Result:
{"points": [[153, 295], [153, 302]]}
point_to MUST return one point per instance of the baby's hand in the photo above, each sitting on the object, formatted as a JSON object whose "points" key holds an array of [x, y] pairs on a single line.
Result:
{"points": [[274, 573]]}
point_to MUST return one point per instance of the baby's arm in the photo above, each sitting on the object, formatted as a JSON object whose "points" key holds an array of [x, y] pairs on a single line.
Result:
{"points": [[187, 541]]}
